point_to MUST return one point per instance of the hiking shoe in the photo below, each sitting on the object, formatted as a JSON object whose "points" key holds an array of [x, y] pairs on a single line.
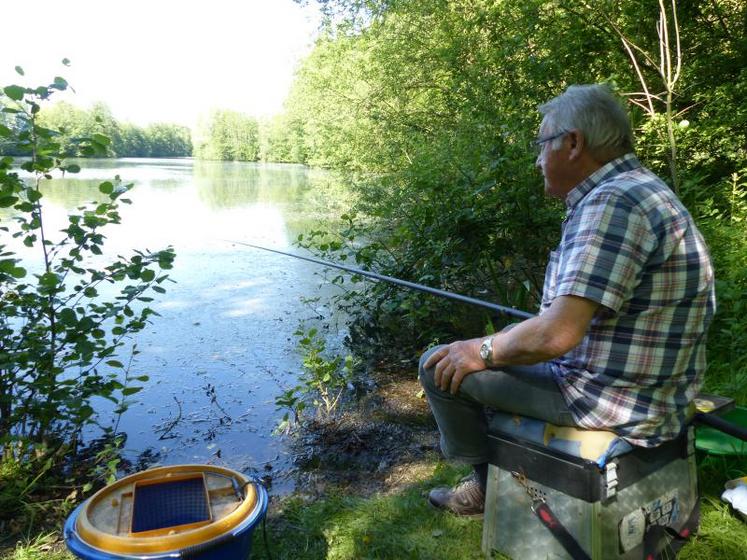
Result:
{"points": [[466, 499]]}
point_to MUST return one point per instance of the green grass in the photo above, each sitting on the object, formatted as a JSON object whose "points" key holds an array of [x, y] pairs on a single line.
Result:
{"points": [[397, 526], [403, 526], [44, 546], [722, 535]]}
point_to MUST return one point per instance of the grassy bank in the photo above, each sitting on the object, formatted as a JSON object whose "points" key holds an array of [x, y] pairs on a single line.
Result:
{"points": [[364, 496], [343, 526]]}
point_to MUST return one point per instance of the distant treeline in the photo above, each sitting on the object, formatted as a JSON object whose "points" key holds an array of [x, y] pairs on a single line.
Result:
{"points": [[127, 140], [224, 135]]}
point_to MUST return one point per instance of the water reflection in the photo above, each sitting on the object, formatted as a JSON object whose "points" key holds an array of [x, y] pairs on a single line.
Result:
{"points": [[225, 185], [223, 346]]}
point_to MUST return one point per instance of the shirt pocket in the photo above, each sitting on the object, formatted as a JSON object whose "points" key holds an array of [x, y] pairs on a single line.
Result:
{"points": [[551, 280]]}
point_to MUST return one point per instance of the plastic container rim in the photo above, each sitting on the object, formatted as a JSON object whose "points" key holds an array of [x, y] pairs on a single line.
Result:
{"points": [[107, 542]]}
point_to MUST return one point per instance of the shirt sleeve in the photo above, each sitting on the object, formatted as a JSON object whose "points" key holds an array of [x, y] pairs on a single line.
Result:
{"points": [[606, 244]]}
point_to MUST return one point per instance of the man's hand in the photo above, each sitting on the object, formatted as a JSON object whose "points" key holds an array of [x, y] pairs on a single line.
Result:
{"points": [[455, 362]]}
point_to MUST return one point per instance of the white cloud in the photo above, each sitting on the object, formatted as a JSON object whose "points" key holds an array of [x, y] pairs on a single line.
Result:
{"points": [[161, 60]]}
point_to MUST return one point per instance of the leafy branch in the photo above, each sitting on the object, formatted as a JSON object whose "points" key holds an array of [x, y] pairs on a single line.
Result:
{"points": [[667, 64], [60, 340]]}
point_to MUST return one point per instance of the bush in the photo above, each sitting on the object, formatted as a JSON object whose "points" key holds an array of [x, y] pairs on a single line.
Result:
{"points": [[322, 382], [721, 211], [63, 344]]}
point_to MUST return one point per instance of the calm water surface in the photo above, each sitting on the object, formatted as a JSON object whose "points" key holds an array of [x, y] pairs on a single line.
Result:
{"points": [[223, 347]]}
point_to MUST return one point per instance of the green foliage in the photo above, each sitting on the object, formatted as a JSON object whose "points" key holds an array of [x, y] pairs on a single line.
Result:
{"points": [[394, 525], [19, 479], [168, 140], [159, 140], [281, 139], [106, 462], [45, 546], [231, 136], [428, 108], [722, 533], [66, 313], [322, 382], [721, 211], [228, 136]]}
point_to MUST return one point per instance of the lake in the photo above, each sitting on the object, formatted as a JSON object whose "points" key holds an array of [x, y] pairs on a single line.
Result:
{"points": [[224, 345]]}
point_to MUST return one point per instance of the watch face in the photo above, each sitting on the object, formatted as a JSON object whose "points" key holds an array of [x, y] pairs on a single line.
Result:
{"points": [[485, 349]]}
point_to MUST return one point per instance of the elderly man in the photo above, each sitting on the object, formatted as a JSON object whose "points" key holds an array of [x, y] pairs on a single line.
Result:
{"points": [[619, 343]]}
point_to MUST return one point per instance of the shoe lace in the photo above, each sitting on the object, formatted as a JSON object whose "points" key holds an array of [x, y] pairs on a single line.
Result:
{"points": [[470, 484]]}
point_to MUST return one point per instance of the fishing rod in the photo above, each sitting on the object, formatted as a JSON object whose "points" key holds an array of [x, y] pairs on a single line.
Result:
{"points": [[706, 418], [508, 311]]}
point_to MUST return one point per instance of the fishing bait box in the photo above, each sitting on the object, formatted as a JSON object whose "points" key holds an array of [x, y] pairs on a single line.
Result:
{"points": [[615, 501]]}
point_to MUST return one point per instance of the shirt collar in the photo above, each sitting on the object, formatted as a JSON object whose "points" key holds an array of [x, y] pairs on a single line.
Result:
{"points": [[623, 163]]}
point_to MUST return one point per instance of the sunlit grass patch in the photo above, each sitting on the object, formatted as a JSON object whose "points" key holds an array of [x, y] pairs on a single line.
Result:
{"points": [[402, 525], [722, 535]]}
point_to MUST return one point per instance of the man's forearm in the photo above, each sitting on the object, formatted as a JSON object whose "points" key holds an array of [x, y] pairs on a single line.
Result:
{"points": [[525, 343], [550, 335], [559, 329]]}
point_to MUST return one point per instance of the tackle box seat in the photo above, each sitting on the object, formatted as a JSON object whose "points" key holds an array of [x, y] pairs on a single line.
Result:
{"points": [[608, 494], [618, 501], [597, 446]]}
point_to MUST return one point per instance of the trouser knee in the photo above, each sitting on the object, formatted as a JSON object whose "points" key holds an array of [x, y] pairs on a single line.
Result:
{"points": [[426, 375]]}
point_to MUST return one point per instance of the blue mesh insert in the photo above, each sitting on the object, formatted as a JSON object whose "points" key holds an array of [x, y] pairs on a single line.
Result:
{"points": [[168, 504]]}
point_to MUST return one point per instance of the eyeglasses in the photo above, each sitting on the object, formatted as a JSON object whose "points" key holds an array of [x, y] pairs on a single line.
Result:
{"points": [[537, 145]]}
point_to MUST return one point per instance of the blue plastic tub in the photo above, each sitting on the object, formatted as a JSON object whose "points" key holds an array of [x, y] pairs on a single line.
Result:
{"points": [[232, 544]]}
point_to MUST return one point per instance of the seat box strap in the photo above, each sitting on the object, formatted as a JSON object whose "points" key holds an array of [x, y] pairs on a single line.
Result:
{"points": [[548, 519]]}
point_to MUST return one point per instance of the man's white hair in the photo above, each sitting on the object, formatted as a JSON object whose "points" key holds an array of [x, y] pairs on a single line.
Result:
{"points": [[597, 113]]}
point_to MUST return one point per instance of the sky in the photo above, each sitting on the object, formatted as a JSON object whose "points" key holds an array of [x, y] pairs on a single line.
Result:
{"points": [[161, 60]]}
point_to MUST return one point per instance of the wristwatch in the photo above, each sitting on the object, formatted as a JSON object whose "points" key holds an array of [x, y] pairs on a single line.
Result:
{"points": [[486, 351]]}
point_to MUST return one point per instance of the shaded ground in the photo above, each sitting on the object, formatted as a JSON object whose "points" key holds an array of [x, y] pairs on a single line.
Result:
{"points": [[378, 445]]}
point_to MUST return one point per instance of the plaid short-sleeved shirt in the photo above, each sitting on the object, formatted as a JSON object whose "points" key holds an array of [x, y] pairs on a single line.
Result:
{"points": [[629, 244]]}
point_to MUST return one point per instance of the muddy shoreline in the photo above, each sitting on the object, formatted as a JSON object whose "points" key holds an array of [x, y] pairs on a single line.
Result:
{"points": [[377, 444]]}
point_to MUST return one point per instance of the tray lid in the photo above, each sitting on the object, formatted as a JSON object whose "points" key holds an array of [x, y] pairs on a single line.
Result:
{"points": [[166, 509]]}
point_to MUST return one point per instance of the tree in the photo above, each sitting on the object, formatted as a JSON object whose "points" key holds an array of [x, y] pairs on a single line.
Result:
{"points": [[168, 140], [229, 136], [127, 140], [132, 142]]}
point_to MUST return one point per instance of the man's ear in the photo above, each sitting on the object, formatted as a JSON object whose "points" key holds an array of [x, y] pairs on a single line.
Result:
{"points": [[576, 143]]}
